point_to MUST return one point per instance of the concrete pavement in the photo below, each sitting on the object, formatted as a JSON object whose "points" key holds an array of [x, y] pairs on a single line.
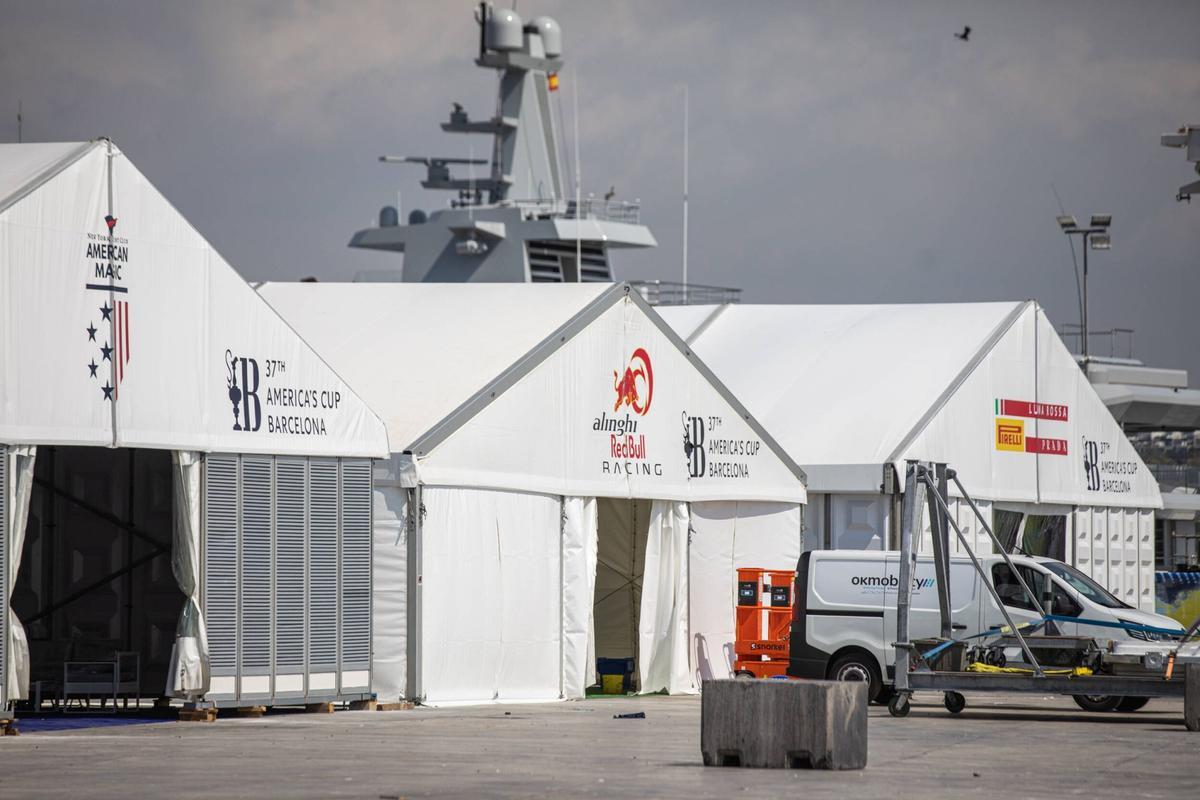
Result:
{"points": [[1000, 747]]}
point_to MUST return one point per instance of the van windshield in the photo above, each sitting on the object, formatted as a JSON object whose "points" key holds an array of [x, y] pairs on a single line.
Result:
{"points": [[1084, 585]]}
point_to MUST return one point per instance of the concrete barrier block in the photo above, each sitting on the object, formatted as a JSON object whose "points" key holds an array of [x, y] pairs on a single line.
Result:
{"points": [[778, 723]]}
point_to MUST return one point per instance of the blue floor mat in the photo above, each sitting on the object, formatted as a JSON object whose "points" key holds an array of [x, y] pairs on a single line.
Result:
{"points": [[52, 724]]}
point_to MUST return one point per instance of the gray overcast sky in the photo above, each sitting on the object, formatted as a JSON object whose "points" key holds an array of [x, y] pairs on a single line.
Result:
{"points": [[840, 152]]}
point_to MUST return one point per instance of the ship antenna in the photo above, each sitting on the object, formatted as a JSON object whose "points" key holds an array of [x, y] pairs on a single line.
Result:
{"points": [[685, 192], [578, 198]]}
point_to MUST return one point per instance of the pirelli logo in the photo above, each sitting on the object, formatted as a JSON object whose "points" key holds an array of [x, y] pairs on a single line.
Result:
{"points": [[1010, 434]]}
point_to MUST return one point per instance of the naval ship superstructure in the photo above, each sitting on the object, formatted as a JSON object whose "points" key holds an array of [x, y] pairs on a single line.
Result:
{"points": [[524, 221]]}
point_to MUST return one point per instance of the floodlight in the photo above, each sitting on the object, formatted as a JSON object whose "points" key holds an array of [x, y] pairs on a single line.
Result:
{"points": [[1101, 220], [1101, 241], [1067, 222]]}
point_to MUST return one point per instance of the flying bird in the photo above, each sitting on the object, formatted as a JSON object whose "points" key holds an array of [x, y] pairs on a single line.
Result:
{"points": [[965, 35], [610, 194]]}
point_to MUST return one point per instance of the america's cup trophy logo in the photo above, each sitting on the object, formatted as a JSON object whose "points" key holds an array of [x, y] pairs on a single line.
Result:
{"points": [[235, 394]]}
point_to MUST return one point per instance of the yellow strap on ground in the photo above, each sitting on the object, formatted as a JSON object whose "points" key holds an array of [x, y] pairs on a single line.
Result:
{"points": [[980, 667]]}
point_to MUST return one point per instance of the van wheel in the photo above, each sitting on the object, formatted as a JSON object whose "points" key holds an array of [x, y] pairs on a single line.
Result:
{"points": [[858, 667], [1128, 704], [1097, 702]]}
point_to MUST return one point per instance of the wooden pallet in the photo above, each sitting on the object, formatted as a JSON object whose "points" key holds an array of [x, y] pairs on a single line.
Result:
{"points": [[249, 711], [197, 715], [403, 705], [319, 708], [375, 705], [8, 727]]}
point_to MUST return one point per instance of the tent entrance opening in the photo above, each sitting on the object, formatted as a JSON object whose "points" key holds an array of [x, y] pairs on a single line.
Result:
{"points": [[623, 526], [95, 591]]}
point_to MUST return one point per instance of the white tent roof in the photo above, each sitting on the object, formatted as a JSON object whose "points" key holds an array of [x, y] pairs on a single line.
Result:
{"points": [[24, 166], [515, 386], [848, 388], [137, 333], [442, 341]]}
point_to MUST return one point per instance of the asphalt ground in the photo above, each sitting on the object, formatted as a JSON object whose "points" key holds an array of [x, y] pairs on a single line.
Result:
{"points": [[1001, 746]]}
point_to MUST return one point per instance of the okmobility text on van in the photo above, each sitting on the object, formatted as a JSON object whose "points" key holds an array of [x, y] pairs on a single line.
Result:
{"points": [[891, 581]]}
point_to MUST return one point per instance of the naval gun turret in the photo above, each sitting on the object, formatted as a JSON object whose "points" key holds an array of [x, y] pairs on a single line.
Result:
{"points": [[522, 222]]}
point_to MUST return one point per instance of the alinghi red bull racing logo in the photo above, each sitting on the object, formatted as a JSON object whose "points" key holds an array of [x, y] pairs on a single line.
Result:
{"points": [[635, 388]]}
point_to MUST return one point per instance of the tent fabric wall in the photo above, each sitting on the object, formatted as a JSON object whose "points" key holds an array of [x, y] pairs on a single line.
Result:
{"points": [[389, 661], [727, 536], [565, 428], [608, 404], [18, 484], [663, 625], [937, 402], [580, 544], [195, 359], [830, 382], [1065, 447], [492, 592], [189, 673], [164, 346], [579, 396], [5, 595]]}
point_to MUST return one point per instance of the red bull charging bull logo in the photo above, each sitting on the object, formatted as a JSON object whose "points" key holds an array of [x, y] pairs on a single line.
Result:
{"points": [[635, 388]]}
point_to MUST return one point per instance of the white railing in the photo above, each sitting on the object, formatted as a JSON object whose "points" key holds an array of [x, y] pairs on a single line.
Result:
{"points": [[670, 293], [627, 211]]}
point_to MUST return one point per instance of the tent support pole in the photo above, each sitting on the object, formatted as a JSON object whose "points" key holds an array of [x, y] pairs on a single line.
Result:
{"points": [[416, 514], [562, 590], [112, 364]]}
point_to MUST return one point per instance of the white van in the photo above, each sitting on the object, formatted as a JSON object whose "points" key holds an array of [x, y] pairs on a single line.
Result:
{"points": [[844, 615]]}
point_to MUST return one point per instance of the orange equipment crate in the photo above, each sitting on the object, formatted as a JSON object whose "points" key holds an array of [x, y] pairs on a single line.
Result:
{"points": [[763, 622]]}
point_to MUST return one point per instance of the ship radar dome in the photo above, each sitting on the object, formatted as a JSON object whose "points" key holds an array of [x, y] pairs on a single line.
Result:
{"points": [[389, 217], [417, 217], [551, 35], [504, 30]]}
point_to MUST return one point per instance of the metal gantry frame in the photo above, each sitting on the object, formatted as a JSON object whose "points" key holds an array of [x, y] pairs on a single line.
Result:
{"points": [[934, 478]]}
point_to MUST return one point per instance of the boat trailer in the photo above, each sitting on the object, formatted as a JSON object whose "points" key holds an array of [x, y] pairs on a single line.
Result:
{"points": [[913, 670]]}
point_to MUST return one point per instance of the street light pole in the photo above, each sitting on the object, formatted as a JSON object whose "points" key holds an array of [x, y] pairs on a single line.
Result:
{"points": [[1085, 302], [1095, 236]]}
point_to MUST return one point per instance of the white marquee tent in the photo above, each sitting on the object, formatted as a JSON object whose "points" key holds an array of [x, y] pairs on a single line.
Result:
{"points": [[852, 391], [586, 487], [125, 339]]}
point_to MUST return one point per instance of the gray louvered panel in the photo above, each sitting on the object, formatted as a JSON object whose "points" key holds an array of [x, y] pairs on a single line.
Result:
{"points": [[3, 572], [256, 566], [220, 561], [323, 565], [289, 565], [356, 564]]}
